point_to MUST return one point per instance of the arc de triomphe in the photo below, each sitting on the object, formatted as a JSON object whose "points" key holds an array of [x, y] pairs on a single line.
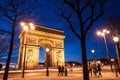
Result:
{"points": [[31, 41]]}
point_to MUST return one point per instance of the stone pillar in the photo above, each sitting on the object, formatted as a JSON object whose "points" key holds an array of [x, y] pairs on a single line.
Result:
{"points": [[32, 57]]}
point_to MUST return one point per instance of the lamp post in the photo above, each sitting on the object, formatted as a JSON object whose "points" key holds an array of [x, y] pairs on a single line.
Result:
{"points": [[103, 34], [26, 26], [93, 51], [116, 40], [47, 70]]}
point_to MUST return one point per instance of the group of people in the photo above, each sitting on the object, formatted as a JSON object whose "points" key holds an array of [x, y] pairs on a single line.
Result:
{"points": [[95, 69], [62, 71]]}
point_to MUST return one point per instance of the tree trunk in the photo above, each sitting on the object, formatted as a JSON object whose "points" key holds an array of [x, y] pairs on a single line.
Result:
{"points": [[9, 55], [84, 59]]}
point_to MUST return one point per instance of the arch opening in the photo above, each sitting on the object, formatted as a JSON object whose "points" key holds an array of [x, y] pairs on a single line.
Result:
{"points": [[45, 49], [41, 56]]}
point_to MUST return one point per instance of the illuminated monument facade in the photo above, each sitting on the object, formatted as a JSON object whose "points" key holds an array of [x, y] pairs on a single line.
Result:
{"points": [[32, 40]]}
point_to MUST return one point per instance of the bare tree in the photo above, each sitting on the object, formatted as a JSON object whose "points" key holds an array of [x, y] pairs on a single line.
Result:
{"points": [[114, 24], [13, 11], [85, 13]]}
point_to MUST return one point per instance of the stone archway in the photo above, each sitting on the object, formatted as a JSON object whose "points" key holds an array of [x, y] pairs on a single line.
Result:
{"points": [[46, 45], [31, 41]]}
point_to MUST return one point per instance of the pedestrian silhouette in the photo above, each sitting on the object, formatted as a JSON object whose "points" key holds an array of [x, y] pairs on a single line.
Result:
{"points": [[116, 68], [95, 70], [90, 69], [65, 71], [62, 70], [99, 70], [59, 70], [47, 72]]}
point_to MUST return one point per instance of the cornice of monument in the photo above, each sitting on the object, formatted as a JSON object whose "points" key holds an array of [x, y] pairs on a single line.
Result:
{"points": [[49, 30]]}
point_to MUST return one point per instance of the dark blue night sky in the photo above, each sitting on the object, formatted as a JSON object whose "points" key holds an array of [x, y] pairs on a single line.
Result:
{"points": [[49, 18]]}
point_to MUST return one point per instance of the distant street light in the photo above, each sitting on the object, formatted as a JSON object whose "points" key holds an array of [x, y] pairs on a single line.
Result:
{"points": [[116, 40], [112, 60], [47, 49], [73, 64], [103, 34], [93, 51], [26, 26]]}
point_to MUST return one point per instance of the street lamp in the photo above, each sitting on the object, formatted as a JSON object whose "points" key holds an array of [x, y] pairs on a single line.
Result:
{"points": [[116, 40], [47, 49], [47, 70], [26, 26], [93, 51], [103, 33]]}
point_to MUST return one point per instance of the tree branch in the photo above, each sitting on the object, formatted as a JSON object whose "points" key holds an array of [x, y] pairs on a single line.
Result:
{"points": [[92, 20], [86, 19], [78, 13], [3, 49], [85, 6], [70, 25], [77, 2], [99, 15], [7, 15], [5, 31]]}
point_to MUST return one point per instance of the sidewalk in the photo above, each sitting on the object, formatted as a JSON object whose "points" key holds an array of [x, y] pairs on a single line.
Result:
{"points": [[62, 78], [106, 76], [76, 74]]}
